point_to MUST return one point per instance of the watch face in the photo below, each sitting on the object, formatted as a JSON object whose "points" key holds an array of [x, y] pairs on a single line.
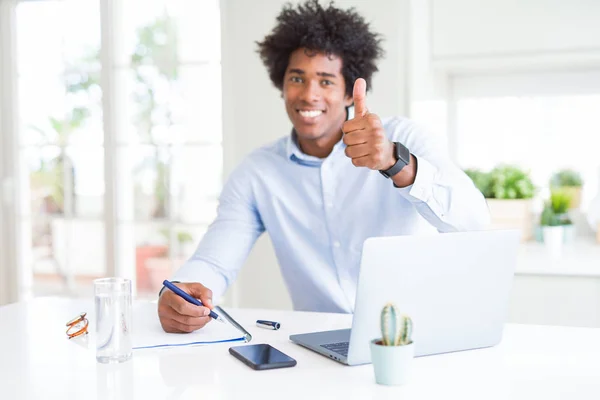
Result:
{"points": [[402, 153], [402, 160]]}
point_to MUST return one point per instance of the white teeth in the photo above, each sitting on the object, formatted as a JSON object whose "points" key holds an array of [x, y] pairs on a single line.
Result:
{"points": [[310, 114]]}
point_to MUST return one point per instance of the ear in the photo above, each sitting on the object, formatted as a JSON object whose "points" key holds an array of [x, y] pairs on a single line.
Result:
{"points": [[348, 100]]}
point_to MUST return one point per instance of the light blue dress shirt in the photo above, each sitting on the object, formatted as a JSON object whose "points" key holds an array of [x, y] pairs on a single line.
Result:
{"points": [[318, 212]]}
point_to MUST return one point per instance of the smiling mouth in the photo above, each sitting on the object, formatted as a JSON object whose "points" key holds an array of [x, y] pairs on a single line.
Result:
{"points": [[310, 113]]}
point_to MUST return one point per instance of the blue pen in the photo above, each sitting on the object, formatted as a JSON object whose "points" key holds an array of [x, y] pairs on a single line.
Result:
{"points": [[190, 299]]}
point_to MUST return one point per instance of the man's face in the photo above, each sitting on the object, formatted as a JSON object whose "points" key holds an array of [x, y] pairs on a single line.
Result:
{"points": [[315, 94]]}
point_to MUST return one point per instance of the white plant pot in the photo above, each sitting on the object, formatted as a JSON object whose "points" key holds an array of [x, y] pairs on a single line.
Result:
{"points": [[392, 364], [553, 239]]}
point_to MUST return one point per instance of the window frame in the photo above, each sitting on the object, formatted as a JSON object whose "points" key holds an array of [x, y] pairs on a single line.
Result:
{"points": [[16, 275], [10, 279]]}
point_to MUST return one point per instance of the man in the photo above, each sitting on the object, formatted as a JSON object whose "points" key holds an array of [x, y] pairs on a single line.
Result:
{"points": [[337, 179]]}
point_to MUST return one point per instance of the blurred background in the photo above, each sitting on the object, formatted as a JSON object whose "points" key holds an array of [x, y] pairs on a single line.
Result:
{"points": [[120, 119]]}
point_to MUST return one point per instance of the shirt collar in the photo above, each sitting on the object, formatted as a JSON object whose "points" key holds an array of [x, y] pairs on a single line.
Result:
{"points": [[295, 154]]}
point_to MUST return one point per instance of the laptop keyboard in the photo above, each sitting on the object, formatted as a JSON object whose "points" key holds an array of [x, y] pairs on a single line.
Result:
{"points": [[340, 348]]}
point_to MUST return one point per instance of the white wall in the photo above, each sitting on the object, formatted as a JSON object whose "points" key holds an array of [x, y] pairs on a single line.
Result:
{"points": [[471, 35], [427, 88], [474, 28], [454, 37], [254, 114]]}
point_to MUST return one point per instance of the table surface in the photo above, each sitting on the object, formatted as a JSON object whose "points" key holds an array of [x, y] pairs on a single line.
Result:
{"points": [[38, 362]]}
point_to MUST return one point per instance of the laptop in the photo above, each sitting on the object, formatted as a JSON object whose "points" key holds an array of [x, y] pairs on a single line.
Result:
{"points": [[454, 286]]}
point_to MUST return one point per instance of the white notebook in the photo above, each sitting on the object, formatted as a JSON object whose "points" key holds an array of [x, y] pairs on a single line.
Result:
{"points": [[147, 332]]}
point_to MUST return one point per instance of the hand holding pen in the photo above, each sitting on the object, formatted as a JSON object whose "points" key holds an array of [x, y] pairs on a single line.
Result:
{"points": [[178, 315]]}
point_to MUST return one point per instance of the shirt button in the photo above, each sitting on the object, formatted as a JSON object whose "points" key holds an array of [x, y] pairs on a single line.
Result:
{"points": [[329, 205], [336, 244]]}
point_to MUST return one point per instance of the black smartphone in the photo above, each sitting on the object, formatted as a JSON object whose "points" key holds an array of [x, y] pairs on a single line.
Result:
{"points": [[262, 356]]}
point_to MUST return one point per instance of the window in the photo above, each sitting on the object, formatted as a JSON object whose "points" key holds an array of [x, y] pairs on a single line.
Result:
{"points": [[543, 122], [60, 143], [168, 141], [166, 147]]}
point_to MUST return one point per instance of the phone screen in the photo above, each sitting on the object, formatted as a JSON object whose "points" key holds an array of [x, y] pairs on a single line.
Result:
{"points": [[262, 356]]}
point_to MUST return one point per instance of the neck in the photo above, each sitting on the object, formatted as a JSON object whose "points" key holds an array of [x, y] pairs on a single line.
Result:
{"points": [[320, 147]]}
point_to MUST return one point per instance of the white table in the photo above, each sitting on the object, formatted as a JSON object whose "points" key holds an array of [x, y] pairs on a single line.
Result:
{"points": [[37, 361]]}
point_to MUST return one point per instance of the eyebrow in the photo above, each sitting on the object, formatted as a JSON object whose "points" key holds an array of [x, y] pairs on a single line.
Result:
{"points": [[301, 72]]}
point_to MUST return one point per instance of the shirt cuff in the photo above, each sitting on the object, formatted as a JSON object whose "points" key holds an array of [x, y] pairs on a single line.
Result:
{"points": [[421, 189]]}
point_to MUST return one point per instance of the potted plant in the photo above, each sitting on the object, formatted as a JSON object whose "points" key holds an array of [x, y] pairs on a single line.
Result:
{"points": [[562, 201], [569, 181], [393, 353], [556, 224], [508, 190]]}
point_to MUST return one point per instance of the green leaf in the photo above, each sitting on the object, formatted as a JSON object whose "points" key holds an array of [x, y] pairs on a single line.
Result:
{"points": [[511, 182], [560, 200], [548, 217], [57, 125], [566, 177]]}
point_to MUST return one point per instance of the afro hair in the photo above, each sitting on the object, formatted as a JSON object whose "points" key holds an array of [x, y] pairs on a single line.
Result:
{"points": [[330, 30]]}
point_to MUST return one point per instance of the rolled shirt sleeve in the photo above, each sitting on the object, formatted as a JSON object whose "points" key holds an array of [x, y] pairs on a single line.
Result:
{"points": [[441, 193], [229, 239]]}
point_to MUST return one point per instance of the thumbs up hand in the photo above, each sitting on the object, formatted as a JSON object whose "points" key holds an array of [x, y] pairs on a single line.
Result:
{"points": [[364, 136]]}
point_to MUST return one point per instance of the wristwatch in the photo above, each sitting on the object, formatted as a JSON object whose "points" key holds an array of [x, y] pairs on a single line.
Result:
{"points": [[402, 155]]}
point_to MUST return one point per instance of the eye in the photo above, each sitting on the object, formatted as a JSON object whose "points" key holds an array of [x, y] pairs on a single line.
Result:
{"points": [[296, 79], [326, 82]]}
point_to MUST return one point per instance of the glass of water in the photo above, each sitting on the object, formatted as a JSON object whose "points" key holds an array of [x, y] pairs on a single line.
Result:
{"points": [[113, 319]]}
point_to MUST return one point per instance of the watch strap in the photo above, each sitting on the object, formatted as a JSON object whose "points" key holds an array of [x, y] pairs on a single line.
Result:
{"points": [[402, 155]]}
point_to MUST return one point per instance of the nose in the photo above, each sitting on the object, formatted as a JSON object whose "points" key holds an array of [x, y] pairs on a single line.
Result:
{"points": [[311, 92]]}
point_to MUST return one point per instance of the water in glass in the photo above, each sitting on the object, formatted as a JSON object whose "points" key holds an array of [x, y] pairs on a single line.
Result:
{"points": [[113, 320]]}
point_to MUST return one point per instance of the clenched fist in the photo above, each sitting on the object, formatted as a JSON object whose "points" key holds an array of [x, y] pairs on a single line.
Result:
{"points": [[177, 315], [364, 136]]}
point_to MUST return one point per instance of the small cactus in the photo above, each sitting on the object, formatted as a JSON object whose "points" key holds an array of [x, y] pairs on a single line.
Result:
{"points": [[396, 329]]}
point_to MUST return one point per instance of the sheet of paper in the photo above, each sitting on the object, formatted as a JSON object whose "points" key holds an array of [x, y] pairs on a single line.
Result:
{"points": [[147, 332]]}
